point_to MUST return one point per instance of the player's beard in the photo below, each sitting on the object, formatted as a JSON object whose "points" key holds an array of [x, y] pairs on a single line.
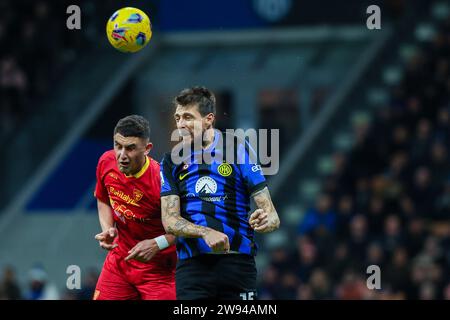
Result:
{"points": [[124, 169], [127, 169]]}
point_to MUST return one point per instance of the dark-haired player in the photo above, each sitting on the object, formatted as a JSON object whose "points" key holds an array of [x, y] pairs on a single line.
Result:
{"points": [[207, 205], [141, 260]]}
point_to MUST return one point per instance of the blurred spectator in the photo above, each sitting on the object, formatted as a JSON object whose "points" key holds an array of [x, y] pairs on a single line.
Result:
{"points": [[25, 39], [427, 291], [307, 258], [352, 287], [39, 286], [422, 141], [288, 288], [88, 286], [442, 207], [396, 274], [446, 292], [375, 214], [270, 284], [319, 220], [340, 262], [422, 192], [393, 236], [320, 285], [9, 288], [391, 193], [344, 213], [359, 238], [375, 255], [305, 292]]}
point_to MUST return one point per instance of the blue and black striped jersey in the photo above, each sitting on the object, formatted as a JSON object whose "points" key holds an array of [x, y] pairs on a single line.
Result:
{"points": [[215, 195]]}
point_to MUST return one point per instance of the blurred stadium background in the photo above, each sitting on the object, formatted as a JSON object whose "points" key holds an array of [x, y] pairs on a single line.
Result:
{"points": [[364, 119]]}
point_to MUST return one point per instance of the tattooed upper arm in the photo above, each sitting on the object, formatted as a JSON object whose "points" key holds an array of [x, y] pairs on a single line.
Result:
{"points": [[170, 207]]}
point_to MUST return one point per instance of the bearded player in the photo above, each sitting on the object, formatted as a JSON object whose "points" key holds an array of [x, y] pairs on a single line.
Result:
{"points": [[141, 260]]}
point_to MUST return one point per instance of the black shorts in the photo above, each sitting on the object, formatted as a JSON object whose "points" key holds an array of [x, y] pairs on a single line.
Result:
{"points": [[216, 276]]}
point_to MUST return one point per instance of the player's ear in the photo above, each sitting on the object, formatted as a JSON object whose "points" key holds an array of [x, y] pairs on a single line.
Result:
{"points": [[209, 119], [148, 147]]}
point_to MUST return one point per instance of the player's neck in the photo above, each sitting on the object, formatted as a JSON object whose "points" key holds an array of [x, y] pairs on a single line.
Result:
{"points": [[141, 167]]}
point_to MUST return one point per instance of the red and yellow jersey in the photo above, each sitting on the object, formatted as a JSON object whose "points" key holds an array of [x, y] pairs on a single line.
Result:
{"points": [[135, 202]]}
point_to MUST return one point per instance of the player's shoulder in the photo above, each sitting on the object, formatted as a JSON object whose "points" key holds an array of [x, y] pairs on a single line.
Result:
{"points": [[153, 163], [236, 142], [107, 156], [106, 163], [233, 139], [166, 160]]}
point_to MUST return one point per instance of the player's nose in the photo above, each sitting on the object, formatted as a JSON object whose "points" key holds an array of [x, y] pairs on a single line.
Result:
{"points": [[122, 155], [181, 124]]}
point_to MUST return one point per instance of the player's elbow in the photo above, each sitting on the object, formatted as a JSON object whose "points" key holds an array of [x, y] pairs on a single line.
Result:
{"points": [[275, 221]]}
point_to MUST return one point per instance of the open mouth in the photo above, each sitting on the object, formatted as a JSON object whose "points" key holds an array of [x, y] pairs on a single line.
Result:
{"points": [[124, 164]]}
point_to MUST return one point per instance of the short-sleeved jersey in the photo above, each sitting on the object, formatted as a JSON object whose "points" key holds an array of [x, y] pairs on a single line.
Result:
{"points": [[215, 195], [135, 202]]}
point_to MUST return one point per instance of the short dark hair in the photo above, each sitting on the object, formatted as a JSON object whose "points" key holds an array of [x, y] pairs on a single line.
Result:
{"points": [[201, 96], [133, 126]]}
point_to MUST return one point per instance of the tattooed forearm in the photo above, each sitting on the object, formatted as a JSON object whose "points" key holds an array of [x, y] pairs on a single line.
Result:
{"points": [[184, 228], [174, 223], [263, 201]]}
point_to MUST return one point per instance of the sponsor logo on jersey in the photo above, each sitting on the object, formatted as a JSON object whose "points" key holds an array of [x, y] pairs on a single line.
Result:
{"points": [[206, 185], [182, 176], [125, 197], [256, 167]]}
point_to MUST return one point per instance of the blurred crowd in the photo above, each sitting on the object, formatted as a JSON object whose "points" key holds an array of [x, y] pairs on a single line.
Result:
{"points": [[38, 286], [387, 203], [37, 50]]}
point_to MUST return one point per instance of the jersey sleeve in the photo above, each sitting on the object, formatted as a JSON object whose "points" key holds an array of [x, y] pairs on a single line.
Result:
{"points": [[250, 169], [100, 190], [168, 184]]}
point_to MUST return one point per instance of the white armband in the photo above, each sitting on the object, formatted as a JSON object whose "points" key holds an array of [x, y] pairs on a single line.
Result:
{"points": [[162, 242]]}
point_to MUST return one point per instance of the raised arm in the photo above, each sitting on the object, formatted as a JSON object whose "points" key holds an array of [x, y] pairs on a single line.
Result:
{"points": [[265, 218]]}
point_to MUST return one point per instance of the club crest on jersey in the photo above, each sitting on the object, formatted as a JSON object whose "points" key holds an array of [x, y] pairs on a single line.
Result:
{"points": [[225, 169], [137, 194], [206, 185]]}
